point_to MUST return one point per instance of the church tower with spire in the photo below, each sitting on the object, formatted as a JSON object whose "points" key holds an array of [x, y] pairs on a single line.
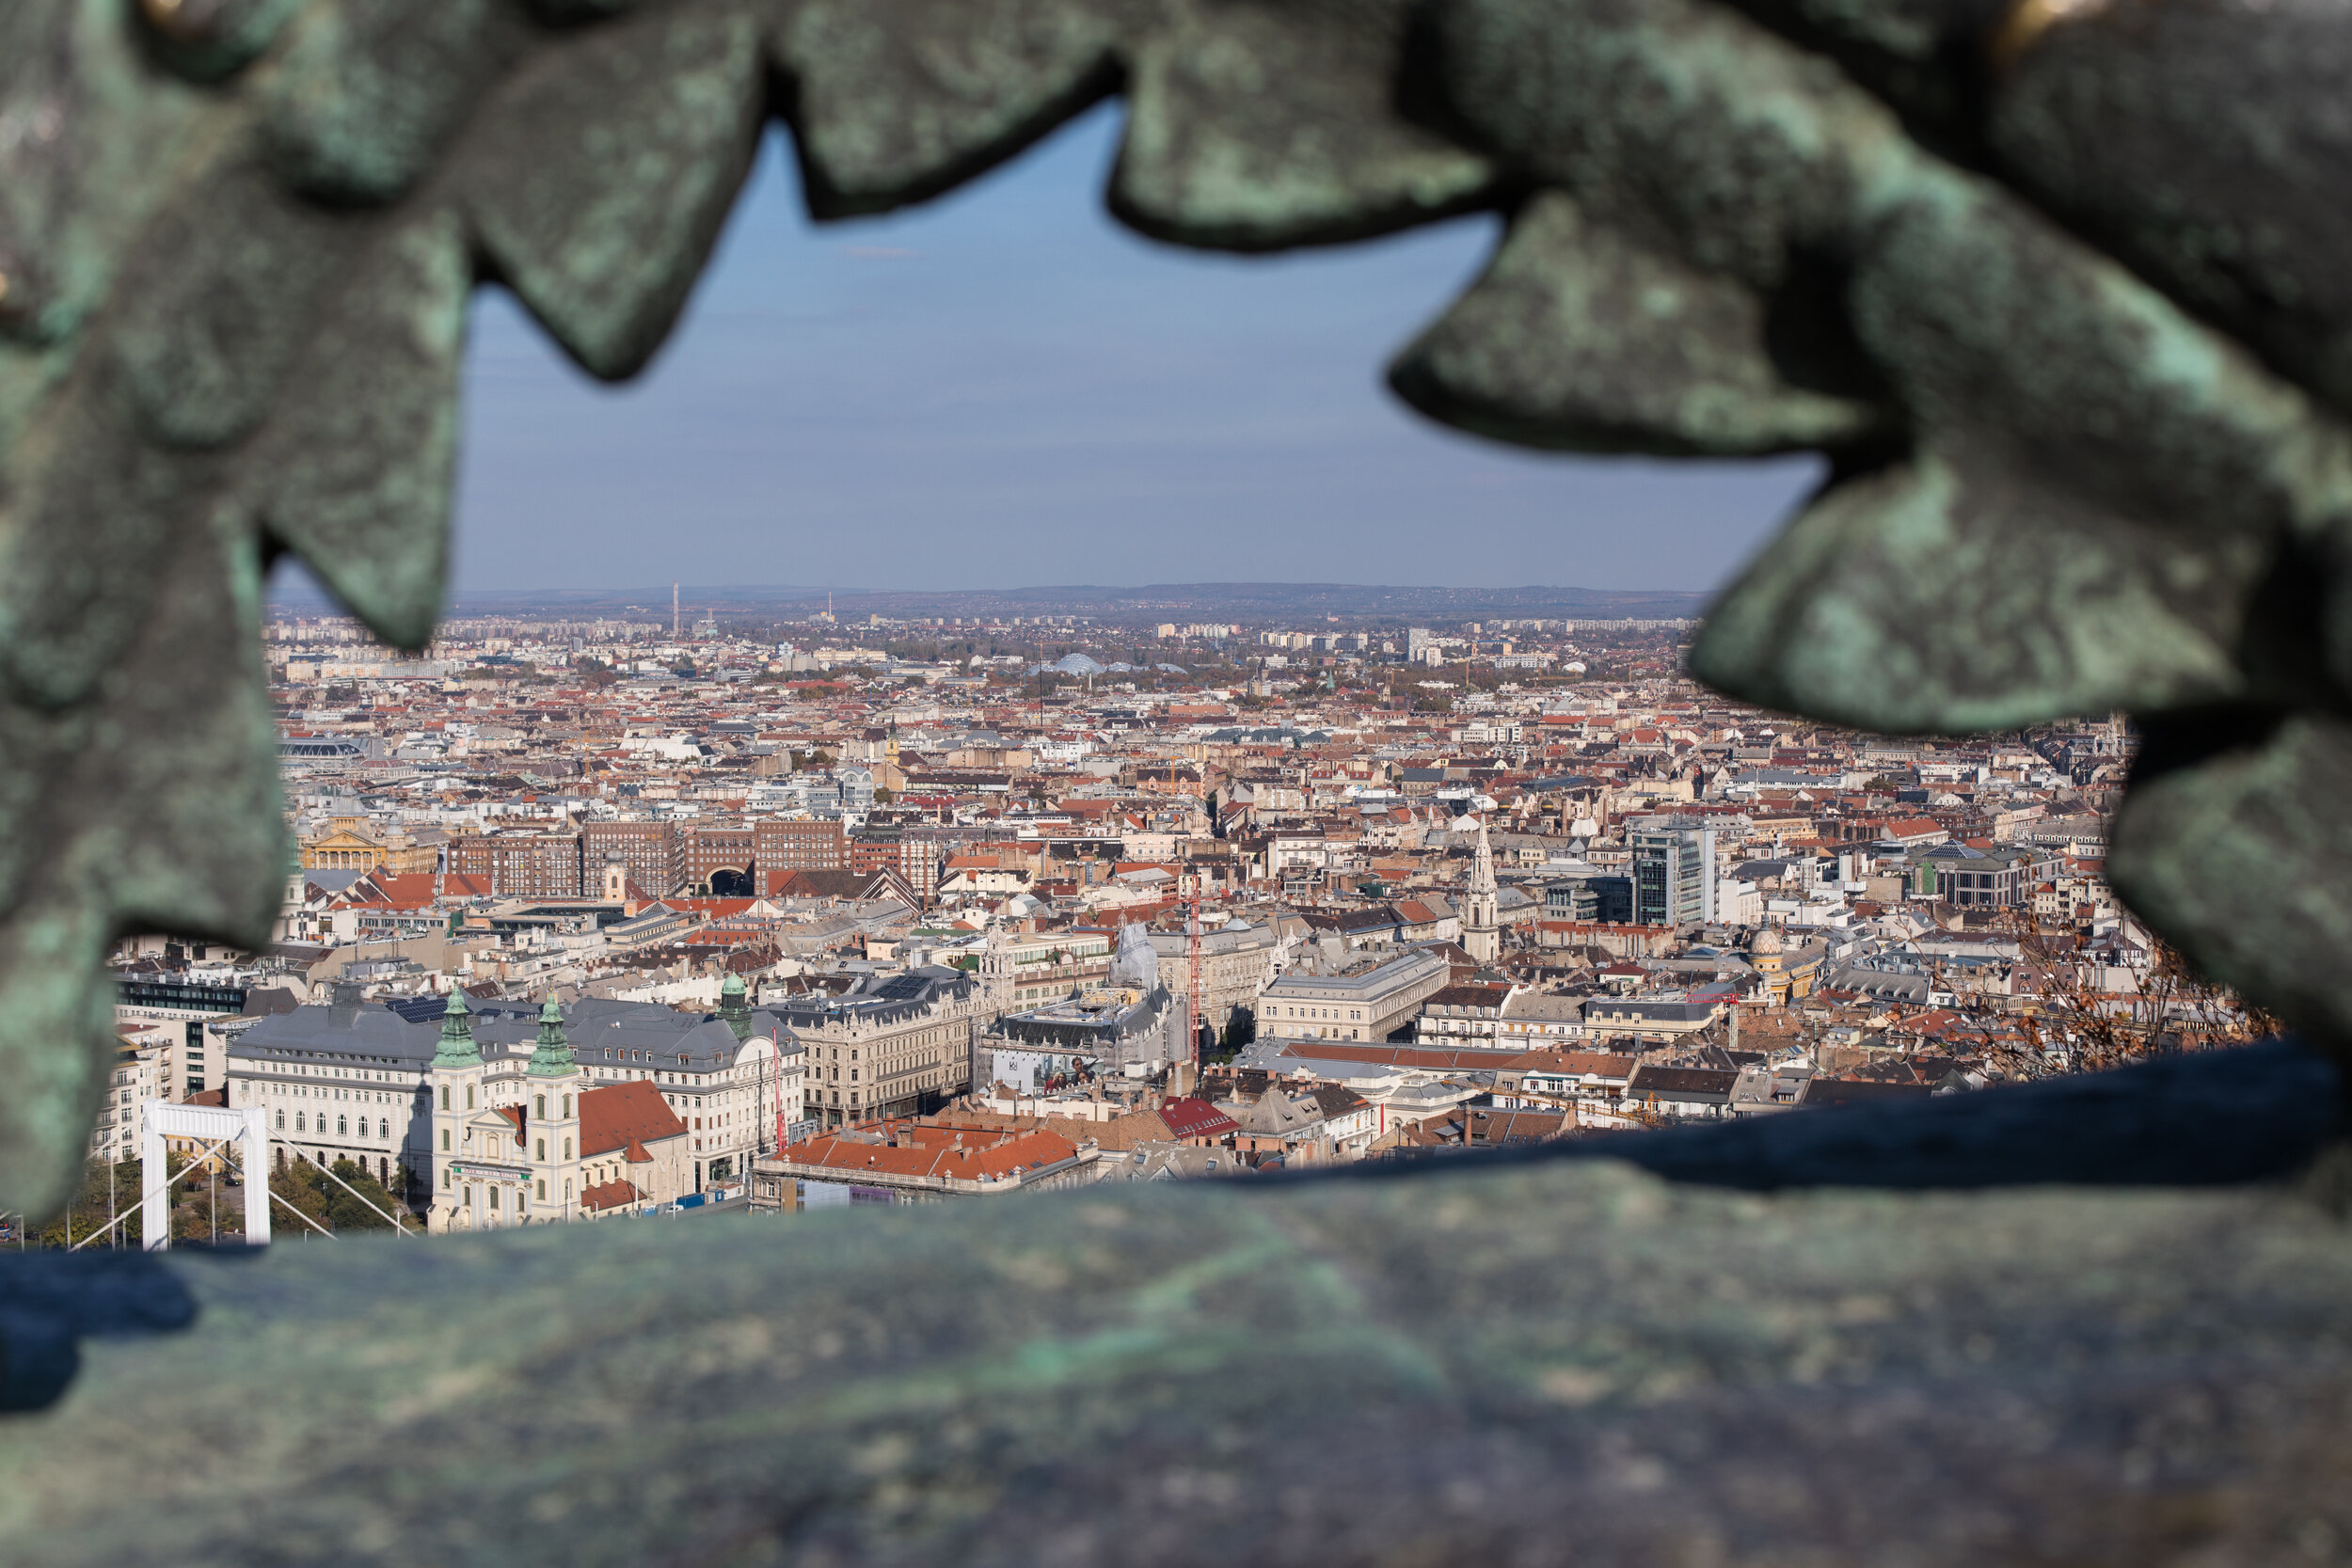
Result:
{"points": [[997, 977], [457, 1086], [552, 1126], [1482, 923]]}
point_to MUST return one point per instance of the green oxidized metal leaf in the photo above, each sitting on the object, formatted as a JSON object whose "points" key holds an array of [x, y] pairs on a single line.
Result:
{"points": [[219, 302], [1944, 593], [370, 89], [355, 473], [2235, 845], [599, 175], [1580, 337], [1257, 126], [157, 806], [893, 101]]}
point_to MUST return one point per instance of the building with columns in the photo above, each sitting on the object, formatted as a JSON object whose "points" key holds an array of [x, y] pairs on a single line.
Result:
{"points": [[898, 1045]]}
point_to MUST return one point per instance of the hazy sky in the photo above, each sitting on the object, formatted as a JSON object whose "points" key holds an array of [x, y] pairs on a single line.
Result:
{"points": [[1006, 388]]}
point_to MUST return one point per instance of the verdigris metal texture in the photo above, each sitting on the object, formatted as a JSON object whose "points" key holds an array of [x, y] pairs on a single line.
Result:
{"points": [[2057, 287], [1568, 1362]]}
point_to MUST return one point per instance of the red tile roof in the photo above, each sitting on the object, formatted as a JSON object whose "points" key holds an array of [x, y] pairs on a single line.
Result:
{"points": [[1188, 1118], [623, 1115], [384, 890], [965, 1155], [611, 1195], [1598, 1063]]}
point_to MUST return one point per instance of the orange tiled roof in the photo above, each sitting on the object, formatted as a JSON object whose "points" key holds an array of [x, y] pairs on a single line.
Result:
{"points": [[938, 1152], [611, 1195], [624, 1115]]}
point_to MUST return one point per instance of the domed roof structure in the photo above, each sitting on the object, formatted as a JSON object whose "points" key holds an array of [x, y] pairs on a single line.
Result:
{"points": [[1768, 943]]}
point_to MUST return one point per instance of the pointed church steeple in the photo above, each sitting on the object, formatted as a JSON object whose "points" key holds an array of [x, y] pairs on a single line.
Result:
{"points": [[552, 1056], [457, 1047], [1482, 933]]}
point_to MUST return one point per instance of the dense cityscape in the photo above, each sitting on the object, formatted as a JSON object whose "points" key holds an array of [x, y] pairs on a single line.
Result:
{"points": [[668, 907]]}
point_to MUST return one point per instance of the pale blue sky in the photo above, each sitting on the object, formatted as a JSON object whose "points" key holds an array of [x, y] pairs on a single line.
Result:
{"points": [[1004, 388]]}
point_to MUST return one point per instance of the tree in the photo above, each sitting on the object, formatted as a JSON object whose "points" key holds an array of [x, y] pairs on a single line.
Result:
{"points": [[106, 1189], [306, 1188], [208, 1203], [2079, 1027]]}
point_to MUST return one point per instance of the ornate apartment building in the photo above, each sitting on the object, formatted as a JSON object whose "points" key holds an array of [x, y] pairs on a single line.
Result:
{"points": [[1237, 962], [901, 1045]]}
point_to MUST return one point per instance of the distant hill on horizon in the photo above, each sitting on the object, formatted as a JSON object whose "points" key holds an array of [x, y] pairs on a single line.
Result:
{"points": [[1192, 601]]}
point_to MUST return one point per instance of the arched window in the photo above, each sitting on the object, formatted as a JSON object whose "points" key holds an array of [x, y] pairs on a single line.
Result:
{"points": [[300, 1124], [342, 1126], [445, 1140], [281, 1119], [444, 1097], [543, 1192], [568, 1107], [567, 1191], [568, 1154], [469, 1097], [542, 1152], [383, 1128], [539, 1107]]}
